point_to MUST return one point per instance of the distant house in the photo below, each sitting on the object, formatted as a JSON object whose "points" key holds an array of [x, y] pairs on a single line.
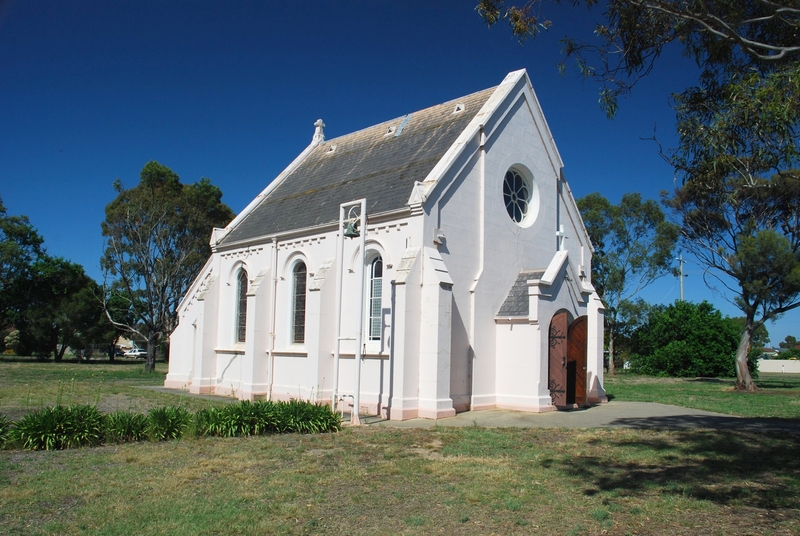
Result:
{"points": [[475, 270], [769, 353]]}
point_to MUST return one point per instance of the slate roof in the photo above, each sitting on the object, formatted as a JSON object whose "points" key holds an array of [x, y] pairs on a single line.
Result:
{"points": [[365, 164], [516, 303]]}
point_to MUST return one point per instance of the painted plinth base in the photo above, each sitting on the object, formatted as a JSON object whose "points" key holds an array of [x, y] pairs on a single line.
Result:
{"points": [[201, 389], [436, 413], [176, 384], [525, 409]]}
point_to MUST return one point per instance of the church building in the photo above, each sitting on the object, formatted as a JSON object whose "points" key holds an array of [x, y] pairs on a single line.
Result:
{"points": [[431, 264]]}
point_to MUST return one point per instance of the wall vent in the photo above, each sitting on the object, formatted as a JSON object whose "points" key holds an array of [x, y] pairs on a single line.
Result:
{"points": [[459, 108]]}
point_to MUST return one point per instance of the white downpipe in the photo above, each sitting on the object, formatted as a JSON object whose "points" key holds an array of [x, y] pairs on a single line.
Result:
{"points": [[337, 316], [354, 419], [481, 250], [273, 301]]}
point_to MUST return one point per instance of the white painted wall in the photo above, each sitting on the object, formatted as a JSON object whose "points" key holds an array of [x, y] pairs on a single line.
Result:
{"points": [[779, 365]]}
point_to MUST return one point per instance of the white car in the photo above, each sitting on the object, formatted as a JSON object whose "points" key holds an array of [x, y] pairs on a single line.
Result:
{"points": [[135, 352]]}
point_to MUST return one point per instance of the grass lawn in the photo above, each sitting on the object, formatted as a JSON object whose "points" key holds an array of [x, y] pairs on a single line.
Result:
{"points": [[779, 395], [381, 480], [26, 385], [413, 481]]}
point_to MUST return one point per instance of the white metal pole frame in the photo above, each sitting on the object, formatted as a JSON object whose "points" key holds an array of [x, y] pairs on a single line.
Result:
{"points": [[362, 204], [354, 420], [337, 317]]}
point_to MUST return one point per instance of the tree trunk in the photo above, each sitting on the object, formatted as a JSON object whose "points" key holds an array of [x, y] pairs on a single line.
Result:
{"points": [[744, 382], [152, 346], [57, 356]]}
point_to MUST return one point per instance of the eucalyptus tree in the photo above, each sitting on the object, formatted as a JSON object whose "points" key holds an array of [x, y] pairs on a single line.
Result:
{"points": [[634, 245], [156, 241], [746, 231], [20, 247], [723, 38]]}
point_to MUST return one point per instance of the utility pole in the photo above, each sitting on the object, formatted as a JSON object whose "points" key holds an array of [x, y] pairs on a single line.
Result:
{"points": [[680, 259]]}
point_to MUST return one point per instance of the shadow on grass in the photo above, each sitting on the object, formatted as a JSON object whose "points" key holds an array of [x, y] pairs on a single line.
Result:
{"points": [[733, 468]]}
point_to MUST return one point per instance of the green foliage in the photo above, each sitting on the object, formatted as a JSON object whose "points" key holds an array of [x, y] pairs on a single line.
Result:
{"points": [[156, 241], [59, 427], [125, 427], [5, 429], [790, 353], [686, 340], [746, 230], [64, 309], [242, 419], [634, 246], [167, 423], [20, 247], [723, 38], [789, 342], [263, 417], [307, 418]]}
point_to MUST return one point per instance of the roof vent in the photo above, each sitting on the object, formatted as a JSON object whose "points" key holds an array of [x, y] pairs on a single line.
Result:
{"points": [[331, 149], [459, 108], [390, 130]]}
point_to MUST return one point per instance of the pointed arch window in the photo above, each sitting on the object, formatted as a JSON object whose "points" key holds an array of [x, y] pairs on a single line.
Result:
{"points": [[374, 304], [299, 276], [241, 307]]}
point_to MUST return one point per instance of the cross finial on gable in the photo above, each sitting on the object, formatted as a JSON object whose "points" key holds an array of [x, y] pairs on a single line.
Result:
{"points": [[561, 235], [319, 132]]}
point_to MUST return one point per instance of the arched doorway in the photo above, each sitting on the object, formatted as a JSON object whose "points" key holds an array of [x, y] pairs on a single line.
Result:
{"points": [[567, 361]]}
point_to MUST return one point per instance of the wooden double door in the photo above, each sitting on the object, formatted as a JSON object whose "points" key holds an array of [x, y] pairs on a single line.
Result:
{"points": [[567, 361]]}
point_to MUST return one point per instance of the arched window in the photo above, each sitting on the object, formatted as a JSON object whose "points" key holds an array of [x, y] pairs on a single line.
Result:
{"points": [[374, 303], [299, 275], [241, 307]]}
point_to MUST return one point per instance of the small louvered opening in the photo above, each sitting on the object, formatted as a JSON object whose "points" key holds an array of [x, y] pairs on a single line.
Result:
{"points": [[459, 108]]}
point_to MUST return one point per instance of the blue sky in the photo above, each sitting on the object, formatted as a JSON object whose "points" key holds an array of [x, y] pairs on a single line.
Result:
{"points": [[92, 90]]}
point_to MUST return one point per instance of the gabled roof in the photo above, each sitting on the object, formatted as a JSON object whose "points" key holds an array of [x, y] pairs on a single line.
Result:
{"points": [[373, 163], [517, 301]]}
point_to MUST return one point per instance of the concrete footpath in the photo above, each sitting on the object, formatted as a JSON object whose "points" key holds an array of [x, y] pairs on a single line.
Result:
{"points": [[614, 414]]}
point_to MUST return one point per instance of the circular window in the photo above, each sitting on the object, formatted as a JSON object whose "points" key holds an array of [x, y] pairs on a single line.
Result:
{"points": [[516, 195]]}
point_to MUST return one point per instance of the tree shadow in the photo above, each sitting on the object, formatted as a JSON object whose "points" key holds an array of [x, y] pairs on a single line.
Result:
{"points": [[753, 468]]}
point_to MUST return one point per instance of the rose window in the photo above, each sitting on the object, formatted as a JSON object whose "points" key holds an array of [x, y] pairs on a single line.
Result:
{"points": [[516, 195]]}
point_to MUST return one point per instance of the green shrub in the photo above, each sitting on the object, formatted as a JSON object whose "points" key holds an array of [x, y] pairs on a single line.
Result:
{"points": [[125, 427], [5, 429], [166, 423], [59, 427], [685, 340], [246, 418], [262, 417], [306, 417]]}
